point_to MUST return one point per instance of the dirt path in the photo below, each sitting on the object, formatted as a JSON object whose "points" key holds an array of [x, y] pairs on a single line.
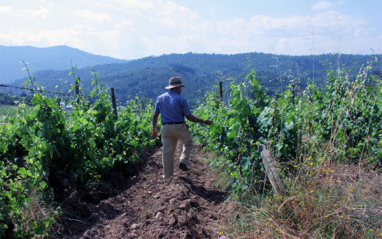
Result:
{"points": [[189, 207]]}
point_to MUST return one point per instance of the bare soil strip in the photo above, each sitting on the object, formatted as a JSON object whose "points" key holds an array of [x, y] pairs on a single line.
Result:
{"points": [[189, 207]]}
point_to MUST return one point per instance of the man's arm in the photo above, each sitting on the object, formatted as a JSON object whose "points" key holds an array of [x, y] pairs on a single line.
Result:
{"points": [[155, 123], [195, 119]]}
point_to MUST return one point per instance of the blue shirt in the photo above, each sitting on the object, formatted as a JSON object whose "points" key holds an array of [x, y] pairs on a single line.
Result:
{"points": [[172, 106]]}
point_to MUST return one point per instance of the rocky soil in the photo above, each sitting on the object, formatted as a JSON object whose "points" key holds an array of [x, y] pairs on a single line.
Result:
{"points": [[146, 207]]}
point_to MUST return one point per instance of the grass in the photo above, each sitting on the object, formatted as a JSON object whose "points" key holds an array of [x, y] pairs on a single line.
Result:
{"points": [[322, 201], [332, 191], [9, 110], [4, 110]]}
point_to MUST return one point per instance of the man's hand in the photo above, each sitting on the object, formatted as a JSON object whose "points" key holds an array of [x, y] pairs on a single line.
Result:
{"points": [[155, 133], [195, 119], [208, 122]]}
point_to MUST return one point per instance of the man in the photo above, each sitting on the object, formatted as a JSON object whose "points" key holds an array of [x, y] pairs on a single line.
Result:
{"points": [[173, 107]]}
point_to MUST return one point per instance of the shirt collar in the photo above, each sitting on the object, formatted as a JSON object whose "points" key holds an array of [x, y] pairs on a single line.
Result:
{"points": [[173, 92]]}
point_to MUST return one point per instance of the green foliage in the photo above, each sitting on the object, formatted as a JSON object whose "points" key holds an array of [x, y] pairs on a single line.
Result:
{"points": [[235, 134], [19, 180], [43, 152], [344, 121], [309, 134], [279, 125], [340, 123]]}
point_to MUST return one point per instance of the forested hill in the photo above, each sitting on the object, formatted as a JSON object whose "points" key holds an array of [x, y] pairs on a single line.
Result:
{"points": [[147, 77]]}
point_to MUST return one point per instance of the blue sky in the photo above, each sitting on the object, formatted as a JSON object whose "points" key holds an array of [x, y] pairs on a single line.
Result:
{"points": [[132, 29]]}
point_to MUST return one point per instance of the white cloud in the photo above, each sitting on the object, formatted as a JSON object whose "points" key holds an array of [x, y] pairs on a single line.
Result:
{"points": [[324, 5], [137, 3], [114, 37], [8, 11], [320, 33], [42, 13], [268, 23], [98, 17], [174, 16], [137, 28], [124, 24], [5, 10], [135, 7], [289, 35], [69, 36]]}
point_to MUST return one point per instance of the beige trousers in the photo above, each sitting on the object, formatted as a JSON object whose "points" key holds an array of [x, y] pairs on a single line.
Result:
{"points": [[170, 135]]}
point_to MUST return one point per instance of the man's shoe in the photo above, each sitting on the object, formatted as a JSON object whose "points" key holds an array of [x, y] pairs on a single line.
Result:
{"points": [[168, 181], [183, 167]]}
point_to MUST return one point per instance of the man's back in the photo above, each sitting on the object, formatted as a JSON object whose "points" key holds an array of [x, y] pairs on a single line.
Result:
{"points": [[172, 106]]}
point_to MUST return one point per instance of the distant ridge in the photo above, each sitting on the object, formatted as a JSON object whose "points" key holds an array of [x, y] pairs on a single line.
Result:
{"points": [[147, 77], [49, 58]]}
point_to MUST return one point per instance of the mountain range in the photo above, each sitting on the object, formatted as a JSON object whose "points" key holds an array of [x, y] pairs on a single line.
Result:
{"points": [[50, 58], [148, 76]]}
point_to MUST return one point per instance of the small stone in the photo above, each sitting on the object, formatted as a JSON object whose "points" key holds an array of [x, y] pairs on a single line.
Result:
{"points": [[172, 201], [159, 215], [185, 204], [173, 221], [108, 227], [88, 234], [94, 215], [136, 226]]}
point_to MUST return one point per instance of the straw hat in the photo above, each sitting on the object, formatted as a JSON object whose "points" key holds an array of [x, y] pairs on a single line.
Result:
{"points": [[175, 82]]}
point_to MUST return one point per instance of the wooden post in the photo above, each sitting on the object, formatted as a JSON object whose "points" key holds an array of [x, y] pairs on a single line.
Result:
{"points": [[293, 94], [272, 171], [78, 89], [221, 90], [114, 103]]}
